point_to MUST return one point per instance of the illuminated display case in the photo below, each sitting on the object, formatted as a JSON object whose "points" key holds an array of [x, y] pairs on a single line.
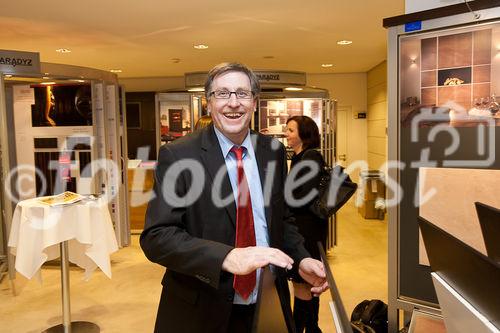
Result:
{"points": [[67, 121]]}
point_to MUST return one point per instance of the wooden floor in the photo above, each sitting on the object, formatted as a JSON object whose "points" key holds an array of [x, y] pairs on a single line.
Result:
{"points": [[128, 301]]}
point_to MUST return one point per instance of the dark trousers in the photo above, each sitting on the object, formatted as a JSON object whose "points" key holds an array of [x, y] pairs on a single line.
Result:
{"points": [[241, 319]]}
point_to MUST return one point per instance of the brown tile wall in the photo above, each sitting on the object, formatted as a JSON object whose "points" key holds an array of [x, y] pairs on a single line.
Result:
{"points": [[458, 94], [428, 96], [429, 53], [428, 79], [480, 90], [482, 47], [455, 50], [481, 73], [459, 50]]}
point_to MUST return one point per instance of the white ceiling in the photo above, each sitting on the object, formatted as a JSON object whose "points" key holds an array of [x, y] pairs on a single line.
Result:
{"points": [[143, 37]]}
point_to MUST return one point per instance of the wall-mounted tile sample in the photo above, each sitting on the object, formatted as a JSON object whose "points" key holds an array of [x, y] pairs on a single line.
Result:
{"points": [[455, 50], [429, 53], [481, 73], [480, 90], [458, 94], [456, 69], [428, 96], [428, 79], [482, 47]]}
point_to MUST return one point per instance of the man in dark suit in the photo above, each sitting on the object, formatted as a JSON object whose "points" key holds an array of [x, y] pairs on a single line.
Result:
{"points": [[219, 215]]}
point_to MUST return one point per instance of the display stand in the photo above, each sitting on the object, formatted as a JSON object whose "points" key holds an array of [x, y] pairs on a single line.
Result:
{"points": [[67, 325], [421, 52], [83, 146]]}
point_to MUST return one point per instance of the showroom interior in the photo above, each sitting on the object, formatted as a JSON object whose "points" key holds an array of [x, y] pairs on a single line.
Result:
{"points": [[404, 92]]}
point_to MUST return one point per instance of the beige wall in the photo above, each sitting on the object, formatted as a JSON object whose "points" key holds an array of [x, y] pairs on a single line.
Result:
{"points": [[412, 6], [349, 90], [377, 115], [152, 83]]}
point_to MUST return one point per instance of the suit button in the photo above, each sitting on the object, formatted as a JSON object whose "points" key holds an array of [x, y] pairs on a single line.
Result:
{"points": [[230, 298]]}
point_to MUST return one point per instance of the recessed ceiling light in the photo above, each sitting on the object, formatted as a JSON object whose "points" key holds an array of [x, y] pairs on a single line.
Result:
{"points": [[8, 75], [45, 77], [268, 57], [196, 89], [344, 42], [201, 47], [48, 83], [115, 70], [293, 88], [63, 50], [176, 60], [326, 65]]}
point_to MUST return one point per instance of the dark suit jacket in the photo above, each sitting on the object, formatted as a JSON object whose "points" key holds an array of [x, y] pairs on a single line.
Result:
{"points": [[192, 239]]}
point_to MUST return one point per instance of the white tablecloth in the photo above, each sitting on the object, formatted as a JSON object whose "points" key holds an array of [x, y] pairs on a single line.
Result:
{"points": [[37, 229]]}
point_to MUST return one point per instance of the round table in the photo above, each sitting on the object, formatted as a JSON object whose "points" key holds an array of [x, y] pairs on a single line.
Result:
{"points": [[81, 233]]}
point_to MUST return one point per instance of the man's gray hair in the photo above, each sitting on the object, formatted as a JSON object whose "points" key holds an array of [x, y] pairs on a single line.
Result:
{"points": [[226, 67]]}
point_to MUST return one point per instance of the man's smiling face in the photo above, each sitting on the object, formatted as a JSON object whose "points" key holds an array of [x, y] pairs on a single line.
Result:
{"points": [[232, 116]]}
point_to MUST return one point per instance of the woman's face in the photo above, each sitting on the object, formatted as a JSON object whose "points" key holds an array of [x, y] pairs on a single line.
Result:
{"points": [[292, 136]]}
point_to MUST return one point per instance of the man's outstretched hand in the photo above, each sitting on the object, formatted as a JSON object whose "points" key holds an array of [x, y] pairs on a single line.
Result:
{"points": [[241, 261], [244, 260], [313, 272]]}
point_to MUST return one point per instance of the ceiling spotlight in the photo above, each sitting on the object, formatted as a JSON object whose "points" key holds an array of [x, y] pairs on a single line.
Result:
{"points": [[45, 77], [201, 47], [115, 70], [344, 42], [63, 50], [293, 89], [326, 65], [199, 89]]}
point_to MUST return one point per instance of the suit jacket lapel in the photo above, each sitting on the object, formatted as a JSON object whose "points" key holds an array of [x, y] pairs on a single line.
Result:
{"points": [[263, 156], [213, 159]]}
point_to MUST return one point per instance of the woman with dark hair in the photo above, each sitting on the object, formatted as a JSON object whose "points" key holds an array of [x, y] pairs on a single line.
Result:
{"points": [[303, 137]]}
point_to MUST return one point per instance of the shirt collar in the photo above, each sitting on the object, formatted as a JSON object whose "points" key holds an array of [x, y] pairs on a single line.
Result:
{"points": [[226, 144]]}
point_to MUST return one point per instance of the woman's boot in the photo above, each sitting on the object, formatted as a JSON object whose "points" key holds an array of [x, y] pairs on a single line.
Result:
{"points": [[301, 312], [312, 323]]}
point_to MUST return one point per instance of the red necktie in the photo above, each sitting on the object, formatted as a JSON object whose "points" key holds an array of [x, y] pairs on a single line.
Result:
{"points": [[245, 233]]}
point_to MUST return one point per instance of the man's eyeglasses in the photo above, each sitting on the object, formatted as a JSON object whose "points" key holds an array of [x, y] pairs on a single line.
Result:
{"points": [[226, 94]]}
